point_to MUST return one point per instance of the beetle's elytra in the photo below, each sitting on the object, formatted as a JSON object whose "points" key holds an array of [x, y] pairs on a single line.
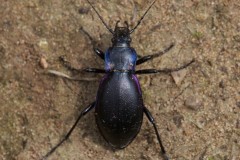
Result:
{"points": [[119, 106]]}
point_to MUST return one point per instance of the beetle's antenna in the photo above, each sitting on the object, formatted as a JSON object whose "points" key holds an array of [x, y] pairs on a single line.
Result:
{"points": [[109, 29], [140, 20]]}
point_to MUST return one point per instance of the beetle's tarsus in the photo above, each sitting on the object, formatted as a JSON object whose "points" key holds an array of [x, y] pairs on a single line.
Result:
{"points": [[165, 157]]}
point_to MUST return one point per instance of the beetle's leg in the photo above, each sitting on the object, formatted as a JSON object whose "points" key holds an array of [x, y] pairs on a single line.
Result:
{"points": [[67, 64], [149, 57], [99, 52], [94, 70], [151, 119], [165, 70], [70, 67], [84, 112]]}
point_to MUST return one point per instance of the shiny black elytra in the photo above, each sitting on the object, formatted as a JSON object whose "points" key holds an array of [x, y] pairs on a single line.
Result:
{"points": [[119, 104]]}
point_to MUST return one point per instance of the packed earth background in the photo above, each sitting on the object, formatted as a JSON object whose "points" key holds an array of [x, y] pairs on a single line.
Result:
{"points": [[197, 110]]}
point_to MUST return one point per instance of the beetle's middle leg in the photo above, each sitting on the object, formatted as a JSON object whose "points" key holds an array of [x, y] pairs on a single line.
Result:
{"points": [[165, 70], [84, 112], [67, 64], [70, 67], [151, 119], [149, 57], [75, 70]]}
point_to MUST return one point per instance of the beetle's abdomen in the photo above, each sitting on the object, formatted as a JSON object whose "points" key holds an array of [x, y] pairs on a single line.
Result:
{"points": [[119, 108]]}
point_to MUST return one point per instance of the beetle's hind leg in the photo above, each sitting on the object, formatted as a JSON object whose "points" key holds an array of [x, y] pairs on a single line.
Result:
{"points": [[151, 119], [84, 112]]}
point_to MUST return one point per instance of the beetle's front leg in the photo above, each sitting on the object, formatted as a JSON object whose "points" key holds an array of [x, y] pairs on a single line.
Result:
{"points": [[99, 52], [149, 57]]}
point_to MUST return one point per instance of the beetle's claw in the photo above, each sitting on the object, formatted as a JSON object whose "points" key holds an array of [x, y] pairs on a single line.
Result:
{"points": [[165, 157]]}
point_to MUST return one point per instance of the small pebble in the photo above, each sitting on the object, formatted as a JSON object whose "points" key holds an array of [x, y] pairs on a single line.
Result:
{"points": [[221, 84], [238, 104], [43, 63], [43, 44], [177, 119], [83, 10], [238, 124], [187, 130], [179, 76], [2, 51], [193, 103]]}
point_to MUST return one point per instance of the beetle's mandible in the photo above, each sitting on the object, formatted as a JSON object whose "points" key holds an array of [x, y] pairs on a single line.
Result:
{"points": [[119, 106]]}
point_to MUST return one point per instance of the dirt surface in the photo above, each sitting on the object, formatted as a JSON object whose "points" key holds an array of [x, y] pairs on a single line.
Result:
{"points": [[198, 117]]}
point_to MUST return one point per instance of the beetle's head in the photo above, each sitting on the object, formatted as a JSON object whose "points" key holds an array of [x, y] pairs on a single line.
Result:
{"points": [[121, 36]]}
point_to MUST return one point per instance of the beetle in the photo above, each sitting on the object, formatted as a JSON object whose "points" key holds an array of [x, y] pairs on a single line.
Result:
{"points": [[119, 106]]}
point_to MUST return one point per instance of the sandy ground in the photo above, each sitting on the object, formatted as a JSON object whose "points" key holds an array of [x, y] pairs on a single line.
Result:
{"points": [[198, 117]]}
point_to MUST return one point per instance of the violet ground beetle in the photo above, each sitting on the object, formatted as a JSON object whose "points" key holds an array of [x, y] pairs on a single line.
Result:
{"points": [[119, 104]]}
